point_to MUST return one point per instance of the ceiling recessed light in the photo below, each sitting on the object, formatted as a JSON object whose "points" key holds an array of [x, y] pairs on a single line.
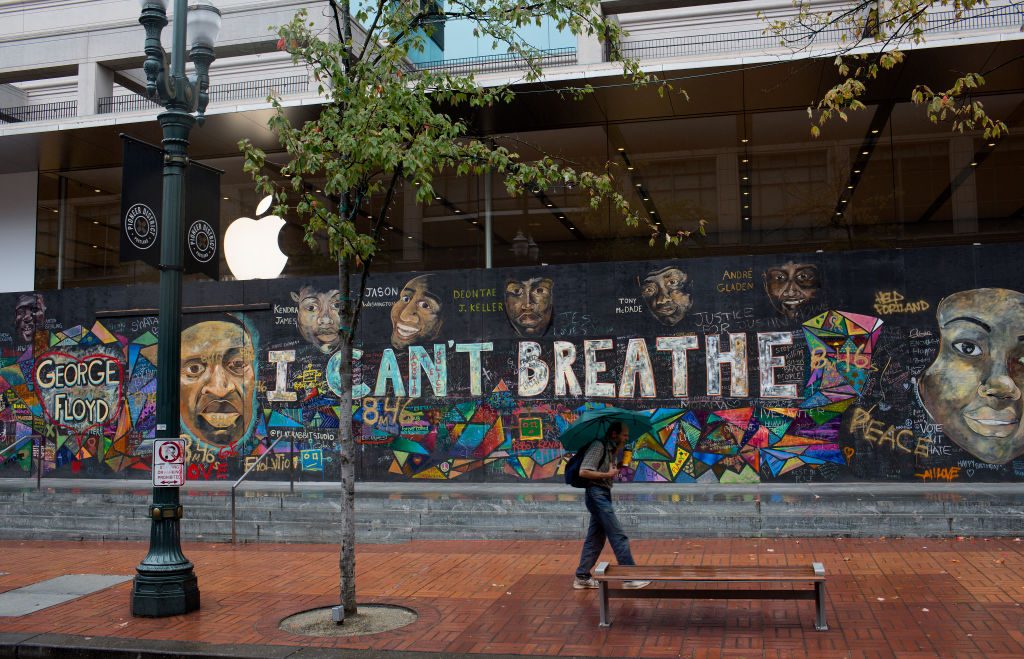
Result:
{"points": [[572, 228], [842, 201], [745, 160], [226, 198], [746, 218], [409, 237], [838, 213], [652, 212], [437, 199], [474, 221], [97, 190], [849, 187], [457, 210], [874, 131], [95, 246], [631, 168], [622, 149], [856, 171], [549, 205], [744, 140], [991, 144], [647, 198], [974, 164], [95, 222], [863, 153], [639, 185], [746, 178], [746, 193], [746, 206], [319, 190], [55, 210]]}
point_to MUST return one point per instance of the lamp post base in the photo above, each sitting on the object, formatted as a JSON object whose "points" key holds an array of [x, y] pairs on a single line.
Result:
{"points": [[165, 594]]}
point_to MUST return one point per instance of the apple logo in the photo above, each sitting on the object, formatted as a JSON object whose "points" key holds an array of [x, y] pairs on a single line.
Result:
{"points": [[250, 246]]}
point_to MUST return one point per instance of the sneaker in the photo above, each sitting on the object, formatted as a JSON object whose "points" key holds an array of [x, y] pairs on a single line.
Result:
{"points": [[581, 584], [635, 584]]}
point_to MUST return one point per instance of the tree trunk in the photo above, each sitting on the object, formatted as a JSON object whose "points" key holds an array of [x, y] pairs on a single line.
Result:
{"points": [[346, 448]]}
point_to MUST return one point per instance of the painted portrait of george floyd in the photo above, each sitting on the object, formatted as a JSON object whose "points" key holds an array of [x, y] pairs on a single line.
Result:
{"points": [[218, 380]]}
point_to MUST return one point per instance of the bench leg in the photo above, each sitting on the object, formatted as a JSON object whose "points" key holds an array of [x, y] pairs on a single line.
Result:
{"points": [[603, 594], [819, 601]]}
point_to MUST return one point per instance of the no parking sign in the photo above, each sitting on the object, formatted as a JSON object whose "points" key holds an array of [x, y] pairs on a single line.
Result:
{"points": [[168, 463]]}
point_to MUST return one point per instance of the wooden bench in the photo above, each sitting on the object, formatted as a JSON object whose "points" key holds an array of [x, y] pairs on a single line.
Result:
{"points": [[607, 575]]}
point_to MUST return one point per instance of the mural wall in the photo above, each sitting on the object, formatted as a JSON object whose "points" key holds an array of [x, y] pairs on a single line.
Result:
{"points": [[860, 366]]}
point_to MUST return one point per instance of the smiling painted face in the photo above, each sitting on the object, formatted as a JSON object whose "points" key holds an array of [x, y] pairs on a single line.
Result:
{"points": [[973, 388], [667, 294], [791, 286], [528, 305], [416, 316], [217, 381]]}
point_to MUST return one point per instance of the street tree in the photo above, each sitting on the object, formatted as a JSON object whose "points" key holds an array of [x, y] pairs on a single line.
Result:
{"points": [[385, 123], [865, 38]]}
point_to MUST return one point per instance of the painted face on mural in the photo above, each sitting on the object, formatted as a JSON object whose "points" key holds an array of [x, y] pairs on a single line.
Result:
{"points": [[318, 317], [29, 315], [217, 381], [528, 305], [973, 388], [791, 286], [416, 316], [667, 294]]}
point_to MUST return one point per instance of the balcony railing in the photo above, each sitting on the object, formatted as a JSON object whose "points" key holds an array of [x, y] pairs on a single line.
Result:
{"points": [[235, 91], [989, 18], [499, 63], [45, 111]]}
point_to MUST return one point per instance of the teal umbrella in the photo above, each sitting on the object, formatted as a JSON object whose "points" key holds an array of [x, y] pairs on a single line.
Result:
{"points": [[593, 424]]}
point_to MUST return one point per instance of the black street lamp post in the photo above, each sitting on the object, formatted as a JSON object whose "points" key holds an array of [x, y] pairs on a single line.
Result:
{"points": [[165, 584]]}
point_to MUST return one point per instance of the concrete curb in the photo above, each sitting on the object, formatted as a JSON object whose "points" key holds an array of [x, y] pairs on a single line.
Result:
{"points": [[63, 646]]}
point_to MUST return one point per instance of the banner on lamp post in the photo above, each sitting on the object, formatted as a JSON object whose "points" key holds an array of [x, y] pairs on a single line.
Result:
{"points": [[202, 220], [141, 200], [142, 203]]}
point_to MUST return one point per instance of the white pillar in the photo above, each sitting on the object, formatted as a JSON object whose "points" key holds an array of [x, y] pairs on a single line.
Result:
{"points": [[95, 81], [964, 202], [589, 49], [18, 231]]}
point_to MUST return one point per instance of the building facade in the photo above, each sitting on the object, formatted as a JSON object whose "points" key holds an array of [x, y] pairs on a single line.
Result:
{"points": [[851, 314]]}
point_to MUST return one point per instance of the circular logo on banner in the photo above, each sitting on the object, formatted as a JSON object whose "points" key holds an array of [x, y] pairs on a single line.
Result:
{"points": [[202, 241], [140, 226]]}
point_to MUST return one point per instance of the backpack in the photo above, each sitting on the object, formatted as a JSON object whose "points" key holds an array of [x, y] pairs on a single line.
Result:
{"points": [[572, 469]]}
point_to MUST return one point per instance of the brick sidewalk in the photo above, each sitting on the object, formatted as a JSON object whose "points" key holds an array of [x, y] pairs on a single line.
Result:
{"points": [[886, 597]]}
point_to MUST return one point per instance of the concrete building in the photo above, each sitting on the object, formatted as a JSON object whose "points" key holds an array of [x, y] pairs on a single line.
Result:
{"points": [[797, 343]]}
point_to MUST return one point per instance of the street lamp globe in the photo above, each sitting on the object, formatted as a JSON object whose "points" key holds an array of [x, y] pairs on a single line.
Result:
{"points": [[203, 24]]}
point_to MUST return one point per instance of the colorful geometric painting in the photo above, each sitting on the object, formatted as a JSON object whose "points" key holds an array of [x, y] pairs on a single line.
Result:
{"points": [[840, 346]]}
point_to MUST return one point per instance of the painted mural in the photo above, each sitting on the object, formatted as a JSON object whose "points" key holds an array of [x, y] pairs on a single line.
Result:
{"points": [[860, 366]]}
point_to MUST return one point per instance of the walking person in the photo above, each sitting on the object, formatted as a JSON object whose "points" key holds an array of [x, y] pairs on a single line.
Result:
{"points": [[599, 466]]}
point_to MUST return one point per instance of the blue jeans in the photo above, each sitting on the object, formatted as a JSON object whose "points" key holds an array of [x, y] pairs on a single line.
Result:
{"points": [[603, 524]]}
